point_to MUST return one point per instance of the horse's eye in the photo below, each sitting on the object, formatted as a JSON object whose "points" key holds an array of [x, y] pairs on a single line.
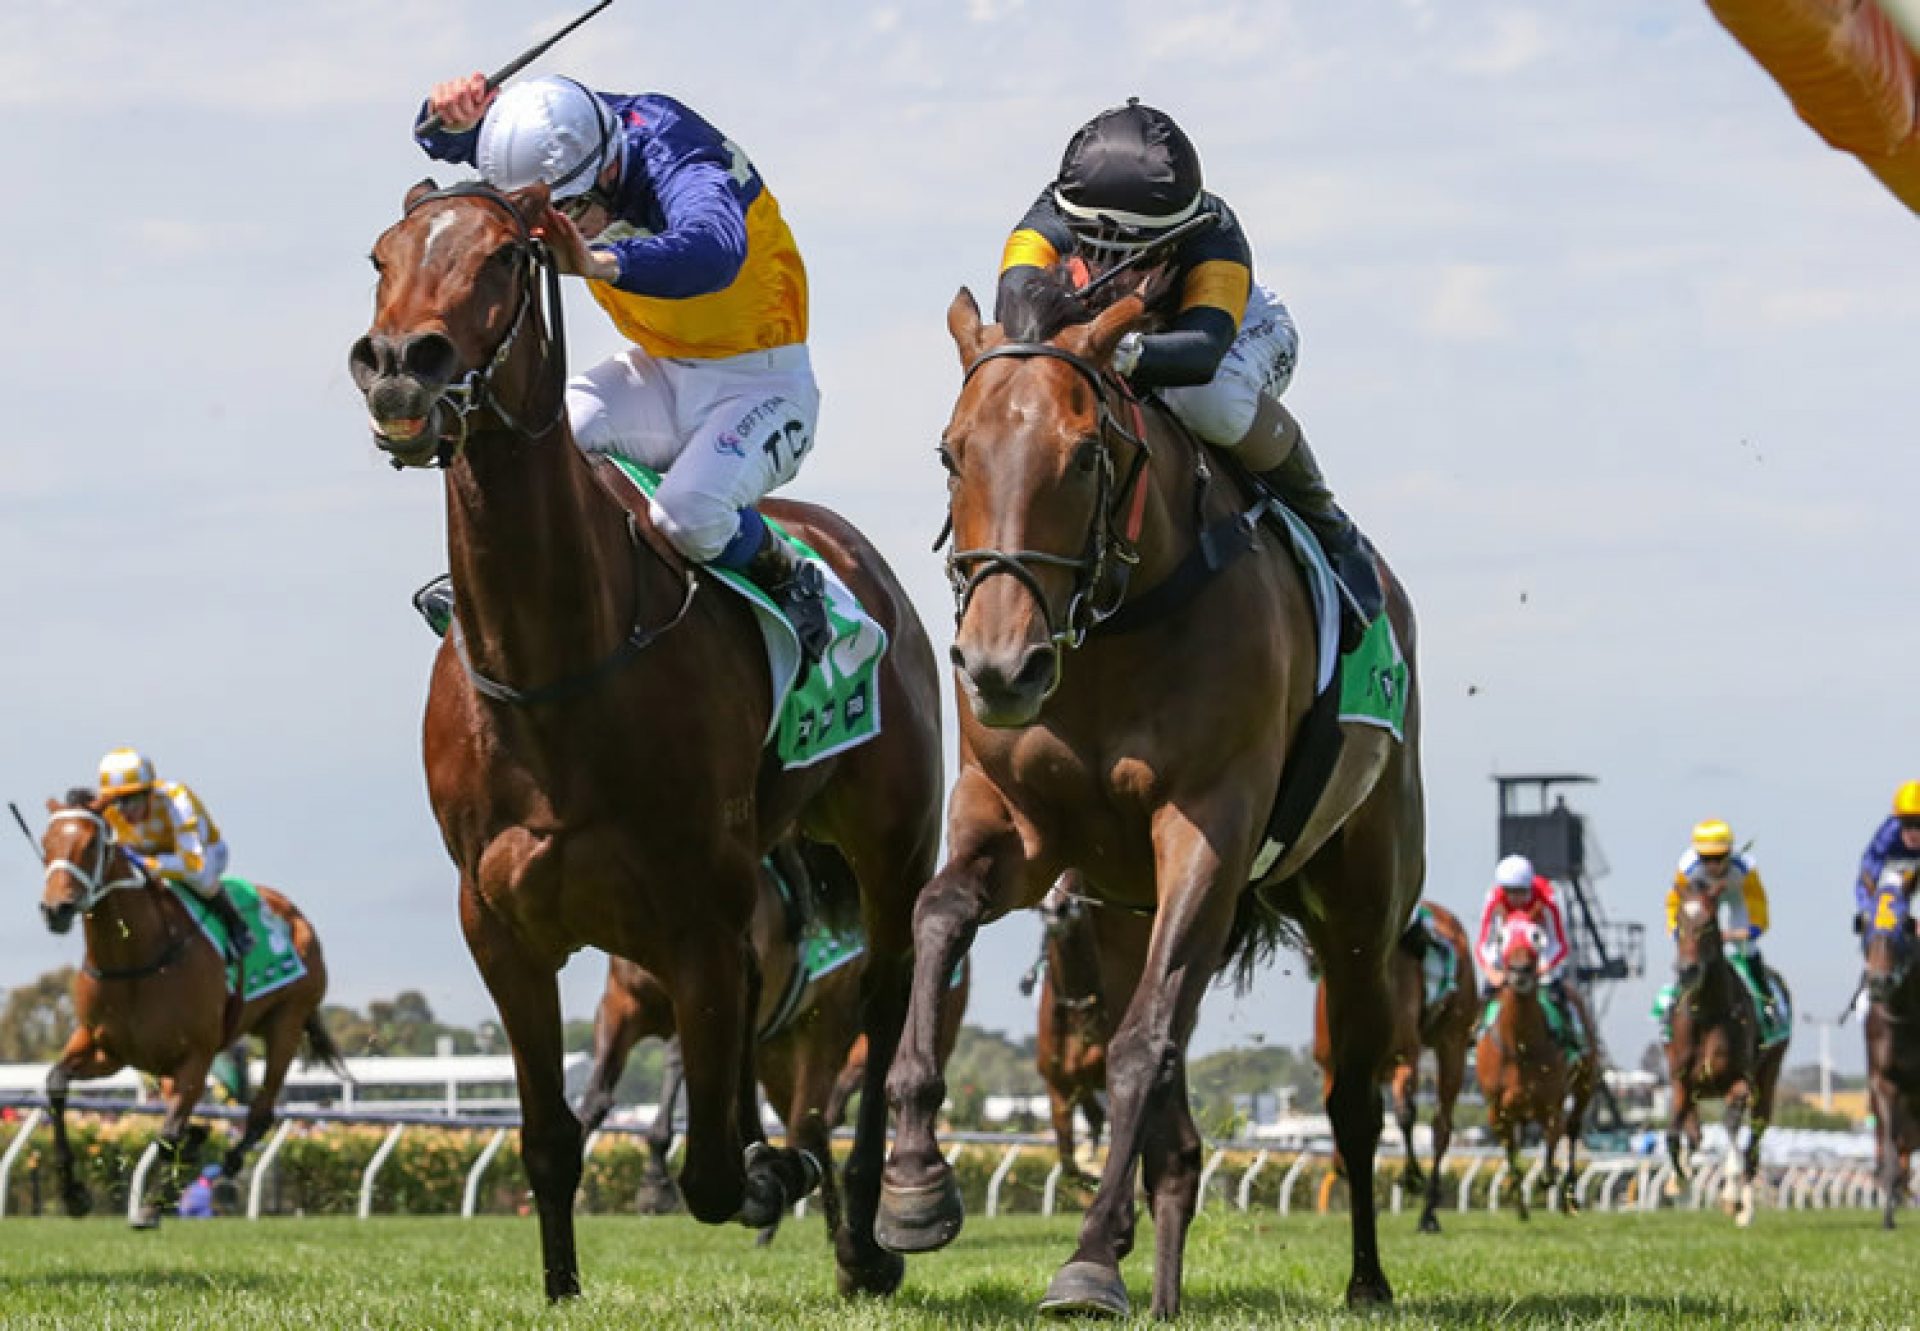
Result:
{"points": [[1087, 456], [945, 455], [378, 267]]}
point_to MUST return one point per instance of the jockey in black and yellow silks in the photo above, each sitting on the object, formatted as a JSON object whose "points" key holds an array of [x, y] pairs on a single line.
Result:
{"points": [[1227, 350]]}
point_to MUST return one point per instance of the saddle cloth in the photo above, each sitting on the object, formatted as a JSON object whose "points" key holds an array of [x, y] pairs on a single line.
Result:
{"points": [[272, 963]]}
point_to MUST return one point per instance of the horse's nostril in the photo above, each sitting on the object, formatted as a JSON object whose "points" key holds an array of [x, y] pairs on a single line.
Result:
{"points": [[430, 358], [1036, 671], [364, 362]]}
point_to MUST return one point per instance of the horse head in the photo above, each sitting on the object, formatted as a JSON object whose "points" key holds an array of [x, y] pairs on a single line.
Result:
{"points": [[1889, 938], [1061, 912], [1038, 467], [84, 861], [1696, 937], [1520, 947], [457, 287]]}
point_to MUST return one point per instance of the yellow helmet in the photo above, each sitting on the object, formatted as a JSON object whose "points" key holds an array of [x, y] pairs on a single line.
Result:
{"points": [[1713, 837], [1906, 801], [125, 772]]}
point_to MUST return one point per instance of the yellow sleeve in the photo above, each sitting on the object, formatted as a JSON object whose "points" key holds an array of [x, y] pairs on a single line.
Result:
{"points": [[1673, 903], [1755, 894], [1027, 248], [1218, 284]]}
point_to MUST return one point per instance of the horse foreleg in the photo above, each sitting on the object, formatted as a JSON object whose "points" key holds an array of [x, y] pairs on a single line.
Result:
{"points": [[1450, 1065], [1677, 1119], [615, 1033], [177, 1140], [1360, 1022], [1060, 1108], [1197, 894], [526, 992], [920, 1208], [81, 1060], [282, 1039], [1406, 1074], [815, 1071], [861, 1265], [1170, 1160], [1734, 1114], [709, 999], [658, 1195]]}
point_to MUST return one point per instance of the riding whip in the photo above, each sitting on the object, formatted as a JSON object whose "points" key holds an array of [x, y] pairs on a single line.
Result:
{"points": [[26, 831], [432, 125], [1160, 245]]}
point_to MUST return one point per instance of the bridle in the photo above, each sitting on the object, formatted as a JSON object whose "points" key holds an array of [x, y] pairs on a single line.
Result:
{"points": [[1111, 541], [94, 883], [472, 392]]}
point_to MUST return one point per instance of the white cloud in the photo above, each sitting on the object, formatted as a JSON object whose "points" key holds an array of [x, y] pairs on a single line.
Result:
{"points": [[1464, 304], [1517, 41]]}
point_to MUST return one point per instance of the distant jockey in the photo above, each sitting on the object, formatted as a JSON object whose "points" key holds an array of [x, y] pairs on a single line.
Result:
{"points": [[684, 246], [165, 827], [1733, 882], [1518, 893], [1895, 846]]}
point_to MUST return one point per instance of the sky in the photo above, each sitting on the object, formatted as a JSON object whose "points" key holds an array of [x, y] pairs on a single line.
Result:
{"points": [[1609, 353]]}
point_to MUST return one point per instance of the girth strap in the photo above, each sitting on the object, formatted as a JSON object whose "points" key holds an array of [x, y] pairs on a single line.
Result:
{"points": [[1219, 545]]}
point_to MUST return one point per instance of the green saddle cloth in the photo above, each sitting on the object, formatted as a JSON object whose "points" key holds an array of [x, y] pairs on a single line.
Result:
{"points": [[1558, 1023], [836, 705], [272, 963]]}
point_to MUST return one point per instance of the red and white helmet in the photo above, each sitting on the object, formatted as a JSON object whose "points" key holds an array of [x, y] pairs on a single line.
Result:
{"points": [[1514, 876]]}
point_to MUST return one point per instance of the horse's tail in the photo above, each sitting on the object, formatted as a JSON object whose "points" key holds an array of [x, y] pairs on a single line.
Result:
{"points": [[1260, 931], [322, 1049]]}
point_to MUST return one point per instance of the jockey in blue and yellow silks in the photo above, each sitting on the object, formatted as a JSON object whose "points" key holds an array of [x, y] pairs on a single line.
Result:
{"points": [[684, 246], [1896, 845]]}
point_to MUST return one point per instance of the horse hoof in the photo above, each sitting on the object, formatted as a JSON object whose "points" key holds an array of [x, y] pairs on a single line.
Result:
{"points": [[1086, 1289], [1429, 1223], [1373, 1293], [657, 1197], [765, 1202], [79, 1203], [921, 1219], [879, 1274]]}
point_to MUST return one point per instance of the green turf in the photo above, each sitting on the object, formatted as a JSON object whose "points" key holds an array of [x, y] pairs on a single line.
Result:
{"points": [[1832, 1269]]}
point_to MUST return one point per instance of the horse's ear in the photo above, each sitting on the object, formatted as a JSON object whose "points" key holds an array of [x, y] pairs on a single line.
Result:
{"points": [[532, 202], [53, 805], [419, 192], [963, 321], [1113, 323]]}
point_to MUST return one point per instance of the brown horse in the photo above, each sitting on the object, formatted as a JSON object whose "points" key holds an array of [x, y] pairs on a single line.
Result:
{"points": [[1446, 1027], [152, 993], [595, 729], [809, 1054], [1149, 761], [1715, 1052], [1893, 1035], [1525, 1074], [1075, 1017]]}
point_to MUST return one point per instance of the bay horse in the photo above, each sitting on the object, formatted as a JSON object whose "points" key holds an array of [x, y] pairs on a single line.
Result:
{"points": [[1893, 1035], [1147, 756], [595, 726], [1525, 1074], [1446, 1027], [152, 994], [1715, 1052], [1082, 982], [809, 1054]]}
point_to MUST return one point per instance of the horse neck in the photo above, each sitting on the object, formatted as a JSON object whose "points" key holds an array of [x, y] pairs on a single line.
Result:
{"points": [[1167, 512], [1522, 1015], [1075, 964], [544, 577], [127, 929]]}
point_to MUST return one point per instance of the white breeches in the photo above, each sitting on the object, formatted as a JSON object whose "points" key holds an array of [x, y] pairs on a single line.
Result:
{"points": [[1261, 360], [213, 866], [724, 433]]}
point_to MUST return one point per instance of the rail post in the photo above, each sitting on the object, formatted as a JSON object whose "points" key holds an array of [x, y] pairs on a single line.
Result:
{"points": [[1206, 1178], [1000, 1173], [1051, 1188], [1245, 1195], [138, 1188], [34, 1118], [373, 1169], [1531, 1178], [470, 1195], [1465, 1200], [257, 1184], [1287, 1182], [1500, 1173]]}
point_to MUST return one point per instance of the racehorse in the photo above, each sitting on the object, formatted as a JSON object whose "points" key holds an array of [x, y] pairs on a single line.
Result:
{"points": [[1090, 960], [1893, 1036], [595, 725], [152, 993], [1524, 1073], [809, 1055], [1150, 762], [1715, 1052], [1446, 1027]]}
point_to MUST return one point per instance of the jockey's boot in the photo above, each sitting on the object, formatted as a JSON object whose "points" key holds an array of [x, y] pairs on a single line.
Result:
{"points": [[1299, 482], [240, 938], [798, 589], [435, 604]]}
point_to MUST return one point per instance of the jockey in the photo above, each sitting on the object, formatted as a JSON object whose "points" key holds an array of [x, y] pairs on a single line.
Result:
{"points": [[1896, 845], [165, 828], [1520, 893], [684, 246], [1733, 881], [1227, 351]]}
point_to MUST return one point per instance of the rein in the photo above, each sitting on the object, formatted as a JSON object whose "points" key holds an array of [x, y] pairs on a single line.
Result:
{"points": [[472, 392], [97, 887]]}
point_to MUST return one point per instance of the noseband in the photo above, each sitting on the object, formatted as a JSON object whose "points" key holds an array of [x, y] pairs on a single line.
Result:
{"points": [[1107, 545], [93, 882], [472, 392]]}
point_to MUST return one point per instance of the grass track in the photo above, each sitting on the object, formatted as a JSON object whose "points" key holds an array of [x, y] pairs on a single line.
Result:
{"points": [[1643, 1272]]}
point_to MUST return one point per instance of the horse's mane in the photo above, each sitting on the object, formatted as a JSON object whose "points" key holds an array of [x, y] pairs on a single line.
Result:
{"points": [[79, 797], [1041, 303]]}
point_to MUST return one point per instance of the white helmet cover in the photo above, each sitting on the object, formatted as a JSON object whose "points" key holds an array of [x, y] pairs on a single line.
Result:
{"points": [[1515, 871], [546, 130]]}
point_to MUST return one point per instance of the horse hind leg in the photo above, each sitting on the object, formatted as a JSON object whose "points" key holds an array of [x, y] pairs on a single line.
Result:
{"points": [[658, 1195], [1171, 1159], [1735, 1170], [1360, 1017], [1406, 1075], [1450, 1072]]}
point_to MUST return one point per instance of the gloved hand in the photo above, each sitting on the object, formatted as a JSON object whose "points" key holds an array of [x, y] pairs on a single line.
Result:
{"points": [[1126, 356]]}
